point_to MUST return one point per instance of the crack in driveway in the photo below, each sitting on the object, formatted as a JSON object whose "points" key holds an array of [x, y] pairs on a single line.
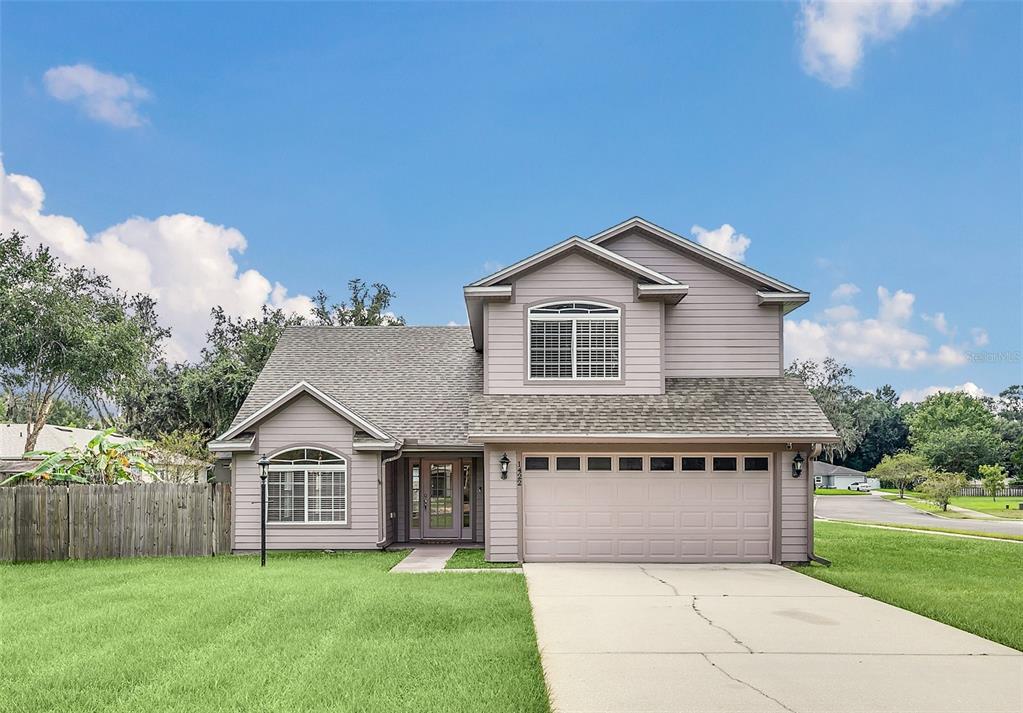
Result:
{"points": [[747, 684], [696, 609]]}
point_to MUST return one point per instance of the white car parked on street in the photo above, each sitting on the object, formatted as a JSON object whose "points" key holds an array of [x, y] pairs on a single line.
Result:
{"points": [[863, 487]]}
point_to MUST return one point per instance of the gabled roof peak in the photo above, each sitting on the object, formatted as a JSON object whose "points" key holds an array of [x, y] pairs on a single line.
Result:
{"points": [[575, 242], [693, 247]]}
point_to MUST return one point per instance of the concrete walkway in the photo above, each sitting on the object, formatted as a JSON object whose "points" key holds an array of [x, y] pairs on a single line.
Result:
{"points": [[743, 638], [426, 558], [873, 508]]}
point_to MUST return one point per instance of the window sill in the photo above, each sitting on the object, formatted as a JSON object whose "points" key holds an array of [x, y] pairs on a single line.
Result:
{"points": [[308, 526]]}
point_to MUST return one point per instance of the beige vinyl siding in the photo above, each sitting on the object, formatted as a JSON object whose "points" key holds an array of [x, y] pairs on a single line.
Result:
{"points": [[795, 501], [305, 421], [502, 496], [719, 329], [573, 277]]}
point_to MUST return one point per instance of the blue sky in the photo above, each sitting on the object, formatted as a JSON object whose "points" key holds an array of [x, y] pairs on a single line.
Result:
{"points": [[422, 145]]}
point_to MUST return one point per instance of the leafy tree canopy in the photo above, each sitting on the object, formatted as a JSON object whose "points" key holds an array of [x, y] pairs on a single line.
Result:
{"points": [[66, 333], [361, 310], [902, 470]]}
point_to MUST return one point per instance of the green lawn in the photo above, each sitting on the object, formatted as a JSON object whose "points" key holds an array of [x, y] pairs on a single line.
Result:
{"points": [[974, 533], [838, 491], [975, 585], [971, 502], [991, 507], [468, 558], [310, 632]]}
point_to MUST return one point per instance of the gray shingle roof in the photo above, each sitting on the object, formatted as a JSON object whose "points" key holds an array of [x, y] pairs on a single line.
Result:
{"points": [[778, 407], [413, 382], [824, 468], [425, 383]]}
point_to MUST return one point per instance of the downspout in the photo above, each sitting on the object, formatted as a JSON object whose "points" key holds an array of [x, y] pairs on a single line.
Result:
{"points": [[383, 541], [815, 450]]}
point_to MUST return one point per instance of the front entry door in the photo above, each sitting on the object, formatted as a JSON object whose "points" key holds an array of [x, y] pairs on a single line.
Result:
{"points": [[441, 499]]}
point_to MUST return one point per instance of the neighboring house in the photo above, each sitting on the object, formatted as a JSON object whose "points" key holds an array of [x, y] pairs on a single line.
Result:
{"points": [[840, 477], [168, 466], [617, 398]]}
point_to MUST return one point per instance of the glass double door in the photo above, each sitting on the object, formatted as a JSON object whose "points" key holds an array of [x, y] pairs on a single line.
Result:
{"points": [[446, 499]]}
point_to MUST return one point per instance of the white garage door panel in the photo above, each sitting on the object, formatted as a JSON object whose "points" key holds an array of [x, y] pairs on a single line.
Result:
{"points": [[643, 516]]}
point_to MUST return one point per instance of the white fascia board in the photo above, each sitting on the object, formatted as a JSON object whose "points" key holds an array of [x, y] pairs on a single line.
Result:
{"points": [[576, 242], [788, 300], [672, 293], [653, 438], [375, 445], [692, 246], [491, 292], [306, 387], [232, 445]]}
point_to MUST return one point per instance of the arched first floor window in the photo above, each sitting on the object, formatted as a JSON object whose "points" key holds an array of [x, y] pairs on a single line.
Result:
{"points": [[574, 340], [307, 485]]}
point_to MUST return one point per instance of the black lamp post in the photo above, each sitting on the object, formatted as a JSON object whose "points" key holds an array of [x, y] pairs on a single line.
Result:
{"points": [[797, 465], [504, 461], [264, 464]]}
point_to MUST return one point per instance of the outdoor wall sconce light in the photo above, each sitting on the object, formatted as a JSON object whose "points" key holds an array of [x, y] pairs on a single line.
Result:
{"points": [[264, 465], [797, 465], [504, 466]]}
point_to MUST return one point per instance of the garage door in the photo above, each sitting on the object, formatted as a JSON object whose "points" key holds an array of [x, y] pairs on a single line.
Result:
{"points": [[662, 508]]}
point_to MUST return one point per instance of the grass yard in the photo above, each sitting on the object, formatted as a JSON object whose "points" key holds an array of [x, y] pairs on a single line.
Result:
{"points": [[469, 558], [991, 507], [974, 585], [309, 632], [838, 491], [974, 533]]}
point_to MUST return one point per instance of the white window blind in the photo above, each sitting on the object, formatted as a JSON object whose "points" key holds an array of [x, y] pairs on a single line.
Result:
{"points": [[574, 340]]}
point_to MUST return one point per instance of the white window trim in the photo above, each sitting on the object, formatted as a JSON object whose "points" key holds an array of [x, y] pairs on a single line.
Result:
{"points": [[335, 468], [573, 318]]}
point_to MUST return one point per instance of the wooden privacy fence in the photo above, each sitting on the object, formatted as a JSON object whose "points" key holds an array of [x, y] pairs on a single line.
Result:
{"points": [[47, 522], [1003, 493]]}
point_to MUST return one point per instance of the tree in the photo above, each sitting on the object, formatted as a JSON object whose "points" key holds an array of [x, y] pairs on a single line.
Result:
{"points": [[956, 432], [101, 460], [903, 470], [838, 399], [992, 477], [940, 487], [65, 412], [183, 455], [362, 310], [886, 432], [66, 333], [961, 450]]}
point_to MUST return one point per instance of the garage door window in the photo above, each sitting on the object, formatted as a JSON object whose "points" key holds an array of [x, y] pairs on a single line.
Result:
{"points": [[598, 463], [538, 463], [756, 463], [630, 463], [662, 463], [694, 463], [567, 463], [726, 463]]}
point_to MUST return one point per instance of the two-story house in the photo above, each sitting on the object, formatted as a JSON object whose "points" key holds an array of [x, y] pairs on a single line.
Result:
{"points": [[617, 398]]}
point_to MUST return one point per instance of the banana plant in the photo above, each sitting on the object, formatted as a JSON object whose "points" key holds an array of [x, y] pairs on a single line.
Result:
{"points": [[101, 460]]}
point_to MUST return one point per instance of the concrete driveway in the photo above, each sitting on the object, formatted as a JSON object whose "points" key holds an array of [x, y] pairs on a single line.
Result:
{"points": [[705, 638], [874, 508]]}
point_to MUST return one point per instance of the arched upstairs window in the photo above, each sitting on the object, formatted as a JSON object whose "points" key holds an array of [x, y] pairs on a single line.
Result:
{"points": [[307, 485], [574, 340]]}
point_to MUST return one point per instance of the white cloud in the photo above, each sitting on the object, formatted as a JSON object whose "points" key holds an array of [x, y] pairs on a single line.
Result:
{"points": [[896, 307], [916, 395], [109, 98], [882, 341], [940, 323], [841, 313], [724, 240], [185, 262], [980, 337], [835, 32], [845, 291]]}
